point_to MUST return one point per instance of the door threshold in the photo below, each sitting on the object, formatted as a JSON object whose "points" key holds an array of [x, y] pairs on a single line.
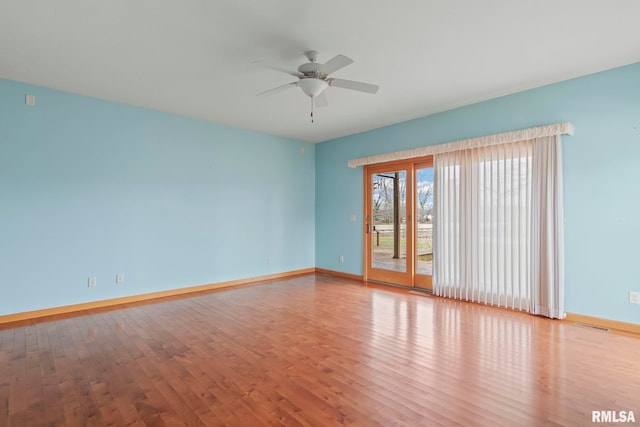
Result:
{"points": [[411, 290], [422, 292], [393, 285]]}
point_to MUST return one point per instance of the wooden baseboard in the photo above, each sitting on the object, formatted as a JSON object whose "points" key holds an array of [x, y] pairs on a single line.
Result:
{"points": [[634, 328], [35, 316], [339, 274]]}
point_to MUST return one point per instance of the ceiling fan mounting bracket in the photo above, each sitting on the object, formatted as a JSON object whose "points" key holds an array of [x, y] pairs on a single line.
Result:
{"points": [[312, 55]]}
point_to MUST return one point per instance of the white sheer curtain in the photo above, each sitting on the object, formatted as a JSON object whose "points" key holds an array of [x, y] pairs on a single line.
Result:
{"points": [[498, 225]]}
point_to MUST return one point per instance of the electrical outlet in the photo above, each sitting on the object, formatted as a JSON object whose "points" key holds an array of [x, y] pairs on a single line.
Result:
{"points": [[91, 282], [268, 260], [634, 297], [341, 259], [119, 279]]}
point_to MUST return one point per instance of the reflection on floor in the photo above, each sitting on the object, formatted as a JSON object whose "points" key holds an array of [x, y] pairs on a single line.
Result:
{"points": [[313, 350]]}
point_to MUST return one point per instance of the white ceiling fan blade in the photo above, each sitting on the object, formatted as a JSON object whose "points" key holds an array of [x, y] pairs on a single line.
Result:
{"points": [[284, 70], [278, 89], [321, 100], [281, 69], [350, 84], [336, 63]]}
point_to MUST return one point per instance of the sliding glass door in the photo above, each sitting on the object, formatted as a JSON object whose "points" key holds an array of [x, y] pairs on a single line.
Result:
{"points": [[398, 223]]}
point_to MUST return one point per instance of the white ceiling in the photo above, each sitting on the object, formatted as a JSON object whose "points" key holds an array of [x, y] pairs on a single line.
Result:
{"points": [[202, 58]]}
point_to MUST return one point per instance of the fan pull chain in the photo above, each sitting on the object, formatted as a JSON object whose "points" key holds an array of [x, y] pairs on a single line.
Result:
{"points": [[311, 97]]}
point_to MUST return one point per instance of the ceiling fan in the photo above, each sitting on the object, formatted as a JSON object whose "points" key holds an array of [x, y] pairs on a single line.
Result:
{"points": [[313, 78]]}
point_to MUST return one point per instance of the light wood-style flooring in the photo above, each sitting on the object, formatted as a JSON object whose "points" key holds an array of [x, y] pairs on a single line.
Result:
{"points": [[314, 350]]}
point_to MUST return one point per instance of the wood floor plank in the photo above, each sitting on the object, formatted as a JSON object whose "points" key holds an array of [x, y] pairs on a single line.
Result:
{"points": [[308, 351]]}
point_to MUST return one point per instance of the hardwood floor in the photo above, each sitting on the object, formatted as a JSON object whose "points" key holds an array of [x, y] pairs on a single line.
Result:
{"points": [[313, 351]]}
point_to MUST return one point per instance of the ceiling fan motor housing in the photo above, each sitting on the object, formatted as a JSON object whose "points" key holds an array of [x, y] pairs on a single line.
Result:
{"points": [[311, 69]]}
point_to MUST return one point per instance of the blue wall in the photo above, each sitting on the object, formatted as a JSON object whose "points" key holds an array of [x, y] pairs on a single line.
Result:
{"points": [[601, 176], [93, 188]]}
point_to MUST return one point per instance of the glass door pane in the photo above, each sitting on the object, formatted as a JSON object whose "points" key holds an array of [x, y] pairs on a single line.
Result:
{"points": [[389, 237], [389, 243], [424, 224]]}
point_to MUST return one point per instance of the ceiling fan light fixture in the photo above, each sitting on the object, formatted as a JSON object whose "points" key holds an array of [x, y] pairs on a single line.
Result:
{"points": [[312, 87]]}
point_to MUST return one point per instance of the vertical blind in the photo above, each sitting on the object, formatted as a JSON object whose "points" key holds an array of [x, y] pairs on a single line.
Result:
{"points": [[498, 225]]}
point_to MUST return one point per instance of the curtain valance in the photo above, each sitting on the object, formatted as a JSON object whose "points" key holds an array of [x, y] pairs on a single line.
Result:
{"points": [[565, 128]]}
